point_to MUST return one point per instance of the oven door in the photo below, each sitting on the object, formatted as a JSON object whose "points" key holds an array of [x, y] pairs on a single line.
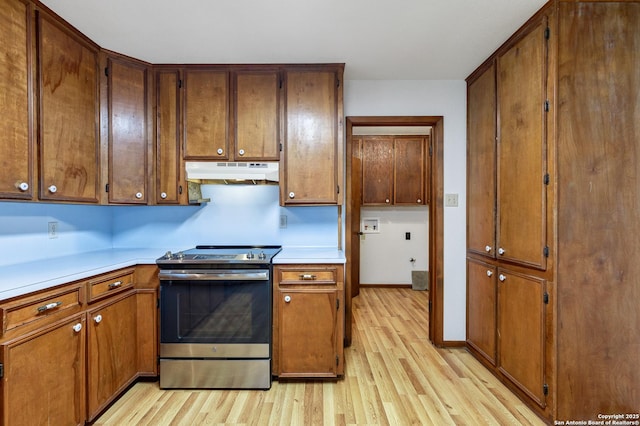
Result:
{"points": [[227, 308]]}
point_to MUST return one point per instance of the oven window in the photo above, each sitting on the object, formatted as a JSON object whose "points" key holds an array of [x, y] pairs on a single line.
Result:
{"points": [[206, 312]]}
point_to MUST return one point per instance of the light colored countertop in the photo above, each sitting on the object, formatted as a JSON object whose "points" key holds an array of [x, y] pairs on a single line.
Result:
{"points": [[22, 278]]}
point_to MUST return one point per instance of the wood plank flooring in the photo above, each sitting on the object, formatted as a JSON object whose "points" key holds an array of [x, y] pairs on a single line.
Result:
{"points": [[393, 376]]}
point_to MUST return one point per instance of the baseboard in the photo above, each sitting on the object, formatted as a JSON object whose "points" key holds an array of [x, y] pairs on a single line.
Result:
{"points": [[385, 285]]}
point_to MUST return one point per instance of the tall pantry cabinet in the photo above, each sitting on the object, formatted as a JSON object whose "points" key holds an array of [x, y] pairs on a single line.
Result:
{"points": [[553, 210]]}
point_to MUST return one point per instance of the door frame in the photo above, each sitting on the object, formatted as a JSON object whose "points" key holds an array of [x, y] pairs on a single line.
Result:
{"points": [[436, 214]]}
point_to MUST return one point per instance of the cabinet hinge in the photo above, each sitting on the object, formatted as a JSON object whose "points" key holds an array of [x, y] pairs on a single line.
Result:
{"points": [[546, 105], [280, 147], [545, 179], [337, 82], [1, 371], [545, 298], [545, 389], [180, 84], [545, 251], [337, 304], [337, 189], [106, 71], [180, 189], [281, 83], [106, 188], [547, 33], [337, 360]]}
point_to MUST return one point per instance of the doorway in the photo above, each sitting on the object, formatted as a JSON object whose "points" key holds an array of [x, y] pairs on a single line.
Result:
{"points": [[436, 224]]}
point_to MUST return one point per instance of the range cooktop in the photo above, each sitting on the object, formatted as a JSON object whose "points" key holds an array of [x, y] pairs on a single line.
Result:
{"points": [[212, 254]]}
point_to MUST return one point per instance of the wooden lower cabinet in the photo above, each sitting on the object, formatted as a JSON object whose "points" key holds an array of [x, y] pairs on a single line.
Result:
{"points": [[64, 359], [44, 380], [308, 321], [112, 358], [481, 309]]}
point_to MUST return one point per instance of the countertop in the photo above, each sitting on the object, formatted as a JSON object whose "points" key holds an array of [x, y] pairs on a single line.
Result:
{"points": [[22, 278]]}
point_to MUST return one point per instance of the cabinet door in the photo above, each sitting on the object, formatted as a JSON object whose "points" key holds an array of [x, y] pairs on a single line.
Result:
{"points": [[311, 153], [170, 182], [127, 82], [112, 355], [257, 116], [409, 170], [377, 170], [522, 150], [44, 379], [481, 164], [481, 308], [308, 348], [521, 332], [206, 115], [69, 142], [16, 142]]}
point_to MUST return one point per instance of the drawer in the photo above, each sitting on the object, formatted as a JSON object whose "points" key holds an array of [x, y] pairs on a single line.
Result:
{"points": [[41, 308], [106, 285], [308, 275]]}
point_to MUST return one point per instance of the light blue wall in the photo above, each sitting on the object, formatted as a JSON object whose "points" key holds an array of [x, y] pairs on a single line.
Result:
{"points": [[24, 230], [236, 214]]}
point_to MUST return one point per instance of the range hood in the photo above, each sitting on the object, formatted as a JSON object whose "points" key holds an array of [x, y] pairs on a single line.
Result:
{"points": [[232, 172]]}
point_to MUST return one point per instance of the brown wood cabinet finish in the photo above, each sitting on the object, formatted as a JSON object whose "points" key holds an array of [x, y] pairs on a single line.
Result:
{"points": [[44, 381], [170, 183], [482, 293], [312, 151], [522, 73], [304, 348], [112, 355], [127, 99], [598, 216], [481, 163], [206, 114], [377, 170], [16, 126], [257, 115], [68, 100]]}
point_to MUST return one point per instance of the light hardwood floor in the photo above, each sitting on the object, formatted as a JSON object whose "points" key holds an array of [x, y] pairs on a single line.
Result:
{"points": [[393, 376]]}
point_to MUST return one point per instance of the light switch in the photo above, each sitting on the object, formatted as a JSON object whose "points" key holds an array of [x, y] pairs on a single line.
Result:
{"points": [[451, 200]]}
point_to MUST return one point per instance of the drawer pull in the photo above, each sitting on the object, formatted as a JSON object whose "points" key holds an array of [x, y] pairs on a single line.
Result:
{"points": [[115, 285], [77, 327], [49, 306], [97, 318], [307, 277]]}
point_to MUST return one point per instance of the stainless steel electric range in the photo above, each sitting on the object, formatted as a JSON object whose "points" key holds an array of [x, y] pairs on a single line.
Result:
{"points": [[215, 317]]}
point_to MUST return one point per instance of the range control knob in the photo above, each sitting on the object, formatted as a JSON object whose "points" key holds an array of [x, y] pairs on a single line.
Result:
{"points": [[168, 255], [179, 255], [262, 256], [250, 255]]}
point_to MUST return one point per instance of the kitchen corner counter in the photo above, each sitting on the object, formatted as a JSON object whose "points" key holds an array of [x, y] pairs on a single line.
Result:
{"points": [[22, 278], [309, 255]]}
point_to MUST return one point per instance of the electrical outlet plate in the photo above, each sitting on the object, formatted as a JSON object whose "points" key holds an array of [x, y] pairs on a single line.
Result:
{"points": [[53, 229], [451, 200], [283, 221]]}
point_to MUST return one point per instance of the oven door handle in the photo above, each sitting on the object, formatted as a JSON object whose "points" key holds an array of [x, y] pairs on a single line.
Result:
{"points": [[214, 275]]}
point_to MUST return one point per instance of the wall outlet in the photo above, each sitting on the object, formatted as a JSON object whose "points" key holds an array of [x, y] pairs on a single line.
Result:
{"points": [[451, 200], [53, 230], [283, 221]]}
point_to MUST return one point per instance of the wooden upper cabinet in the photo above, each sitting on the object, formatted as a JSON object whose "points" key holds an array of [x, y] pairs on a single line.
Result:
{"points": [[394, 170], [16, 126], [206, 114], [522, 162], [312, 157], [257, 115], [481, 163], [69, 114], [377, 170], [127, 97], [410, 167], [170, 183]]}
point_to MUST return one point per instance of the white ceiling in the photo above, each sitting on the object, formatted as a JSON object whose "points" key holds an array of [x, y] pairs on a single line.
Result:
{"points": [[376, 39]]}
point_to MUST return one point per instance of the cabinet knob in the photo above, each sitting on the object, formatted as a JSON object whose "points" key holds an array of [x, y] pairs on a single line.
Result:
{"points": [[241, 152], [138, 195], [500, 250], [489, 273], [419, 201], [292, 195], [487, 249], [53, 189], [287, 298], [386, 201], [502, 277], [163, 195], [77, 327], [97, 318], [220, 151], [22, 186]]}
